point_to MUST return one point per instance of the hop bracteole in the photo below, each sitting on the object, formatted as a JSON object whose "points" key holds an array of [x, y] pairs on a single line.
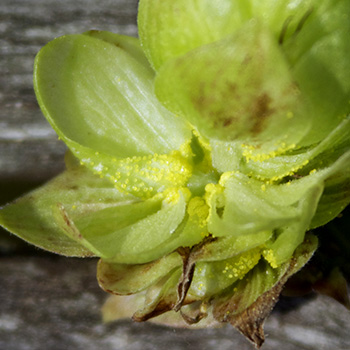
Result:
{"points": [[200, 156]]}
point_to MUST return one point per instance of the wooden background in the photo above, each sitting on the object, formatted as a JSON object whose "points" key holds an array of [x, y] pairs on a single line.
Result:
{"points": [[52, 302]]}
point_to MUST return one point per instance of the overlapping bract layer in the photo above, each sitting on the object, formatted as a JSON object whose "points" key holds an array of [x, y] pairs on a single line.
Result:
{"points": [[196, 181]]}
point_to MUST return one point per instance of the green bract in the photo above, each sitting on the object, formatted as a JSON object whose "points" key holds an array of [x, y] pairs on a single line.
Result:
{"points": [[196, 173]]}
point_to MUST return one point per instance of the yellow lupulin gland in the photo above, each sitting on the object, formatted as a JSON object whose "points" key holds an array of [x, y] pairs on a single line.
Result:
{"points": [[240, 265], [270, 258], [250, 152], [198, 211]]}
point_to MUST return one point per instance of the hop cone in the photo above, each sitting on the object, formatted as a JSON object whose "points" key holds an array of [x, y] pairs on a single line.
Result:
{"points": [[200, 156]]}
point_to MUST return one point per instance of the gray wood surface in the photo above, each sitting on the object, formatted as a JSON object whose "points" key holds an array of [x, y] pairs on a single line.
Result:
{"points": [[52, 302]]}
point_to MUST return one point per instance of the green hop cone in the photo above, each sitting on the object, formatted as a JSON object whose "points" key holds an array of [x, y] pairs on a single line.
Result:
{"points": [[200, 159]]}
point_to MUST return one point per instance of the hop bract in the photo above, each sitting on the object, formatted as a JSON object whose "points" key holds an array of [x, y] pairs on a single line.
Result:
{"points": [[200, 155]]}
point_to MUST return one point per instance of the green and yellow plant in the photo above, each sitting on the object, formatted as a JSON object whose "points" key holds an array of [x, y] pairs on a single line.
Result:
{"points": [[200, 156]]}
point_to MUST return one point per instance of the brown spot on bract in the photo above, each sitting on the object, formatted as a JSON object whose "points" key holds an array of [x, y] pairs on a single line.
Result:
{"points": [[227, 122], [260, 111], [210, 105], [67, 220]]}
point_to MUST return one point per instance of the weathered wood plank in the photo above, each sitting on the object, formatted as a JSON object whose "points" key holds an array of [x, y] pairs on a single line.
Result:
{"points": [[29, 149], [55, 302]]}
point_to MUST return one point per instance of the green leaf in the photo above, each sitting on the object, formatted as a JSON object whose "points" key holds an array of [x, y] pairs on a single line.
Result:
{"points": [[226, 247], [92, 90], [284, 18], [100, 101], [247, 206], [212, 277], [290, 236], [142, 176], [274, 166], [191, 231], [124, 279], [171, 28], [241, 205], [159, 298], [336, 195], [318, 54], [313, 212], [140, 232], [126, 43], [236, 88], [79, 191], [132, 233]]}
